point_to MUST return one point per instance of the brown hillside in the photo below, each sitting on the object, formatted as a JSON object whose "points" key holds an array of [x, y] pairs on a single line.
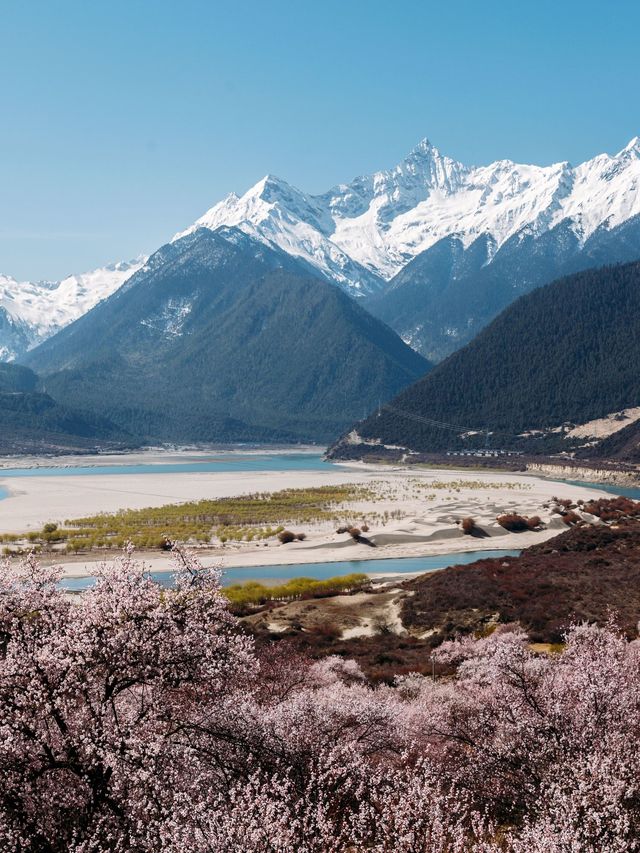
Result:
{"points": [[583, 574]]}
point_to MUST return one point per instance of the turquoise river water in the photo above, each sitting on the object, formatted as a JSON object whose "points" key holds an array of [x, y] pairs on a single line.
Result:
{"points": [[222, 463], [322, 571]]}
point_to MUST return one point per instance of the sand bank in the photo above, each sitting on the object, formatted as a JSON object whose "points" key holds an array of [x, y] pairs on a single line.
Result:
{"points": [[33, 501], [414, 512]]}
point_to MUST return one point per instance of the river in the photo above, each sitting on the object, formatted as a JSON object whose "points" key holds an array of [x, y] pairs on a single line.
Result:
{"points": [[322, 571], [633, 493], [231, 461]]}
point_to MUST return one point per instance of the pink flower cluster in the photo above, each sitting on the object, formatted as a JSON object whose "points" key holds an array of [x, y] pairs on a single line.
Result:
{"points": [[143, 720]]}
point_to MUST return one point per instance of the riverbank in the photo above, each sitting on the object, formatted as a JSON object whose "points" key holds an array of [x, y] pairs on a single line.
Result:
{"points": [[409, 512], [153, 456], [615, 476], [33, 501]]}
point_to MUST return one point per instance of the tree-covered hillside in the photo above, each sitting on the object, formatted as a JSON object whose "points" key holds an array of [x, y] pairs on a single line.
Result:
{"points": [[15, 379], [568, 352], [32, 422], [445, 296], [221, 338]]}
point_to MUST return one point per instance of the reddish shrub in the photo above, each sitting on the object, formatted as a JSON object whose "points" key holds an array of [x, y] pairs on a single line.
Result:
{"points": [[609, 516], [534, 522], [468, 525], [571, 518], [326, 631], [610, 509], [513, 522], [286, 536]]}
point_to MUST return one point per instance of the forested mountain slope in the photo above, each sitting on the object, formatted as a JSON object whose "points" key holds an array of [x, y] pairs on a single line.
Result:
{"points": [[446, 295], [221, 338], [32, 422], [567, 353]]}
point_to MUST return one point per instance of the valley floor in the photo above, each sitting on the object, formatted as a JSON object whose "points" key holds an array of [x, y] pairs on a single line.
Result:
{"points": [[410, 512]]}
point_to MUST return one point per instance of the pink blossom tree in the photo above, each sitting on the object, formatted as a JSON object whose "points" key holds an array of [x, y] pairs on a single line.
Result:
{"points": [[105, 705], [143, 719]]}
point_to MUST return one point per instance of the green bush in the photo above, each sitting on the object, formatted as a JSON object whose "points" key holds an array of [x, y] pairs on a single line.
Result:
{"points": [[245, 518], [253, 593]]}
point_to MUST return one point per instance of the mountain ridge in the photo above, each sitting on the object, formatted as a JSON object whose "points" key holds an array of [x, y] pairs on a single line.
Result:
{"points": [[220, 337], [31, 312], [382, 221], [365, 235]]}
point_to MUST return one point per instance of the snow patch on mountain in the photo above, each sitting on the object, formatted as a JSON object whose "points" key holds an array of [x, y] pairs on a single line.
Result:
{"points": [[170, 320]]}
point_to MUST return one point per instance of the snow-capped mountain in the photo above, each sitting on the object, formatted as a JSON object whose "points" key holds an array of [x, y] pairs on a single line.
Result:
{"points": [[30, 312], [214, 323], [364, 236], [363, 233], [280, 215]]}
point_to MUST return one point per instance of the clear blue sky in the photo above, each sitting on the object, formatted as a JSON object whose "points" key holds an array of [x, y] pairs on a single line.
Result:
{"points": [[123, 121]]}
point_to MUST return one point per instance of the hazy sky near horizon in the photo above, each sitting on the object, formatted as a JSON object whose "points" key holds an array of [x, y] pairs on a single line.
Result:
{"points": [[122, 122]]}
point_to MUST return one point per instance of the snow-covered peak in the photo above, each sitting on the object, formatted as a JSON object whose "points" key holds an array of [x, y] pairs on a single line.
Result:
{"points": [[282, 216], [33, 311], [371, 227], [257, 204], [423, 147], [632, 148], [428, 165]]}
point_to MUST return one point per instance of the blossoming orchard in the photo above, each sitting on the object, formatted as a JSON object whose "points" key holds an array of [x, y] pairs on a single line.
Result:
{"points": [[143, 719]]}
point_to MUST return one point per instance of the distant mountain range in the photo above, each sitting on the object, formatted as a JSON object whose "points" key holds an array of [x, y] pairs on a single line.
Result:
{"points": [[219, 337], [30, 312], [437, 248], [559, 369], [382, 221], [282, 316], [432, 246]]}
